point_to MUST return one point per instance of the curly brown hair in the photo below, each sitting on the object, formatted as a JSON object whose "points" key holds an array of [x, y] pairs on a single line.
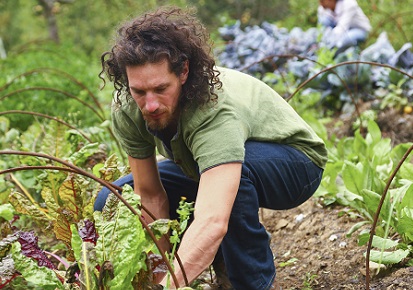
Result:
{"points": [[168, 32]]}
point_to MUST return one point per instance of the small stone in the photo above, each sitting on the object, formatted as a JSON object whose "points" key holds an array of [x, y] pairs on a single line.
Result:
{"points": [[299, 218], [342, 245], [333, 238]]}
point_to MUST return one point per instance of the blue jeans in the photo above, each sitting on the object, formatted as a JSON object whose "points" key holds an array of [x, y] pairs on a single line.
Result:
{"points": [[273, 176]]}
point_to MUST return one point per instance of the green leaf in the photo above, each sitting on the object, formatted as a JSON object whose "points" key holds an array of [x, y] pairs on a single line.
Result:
{"points": [[406, 170], [356, 227], [388, 258], [360, 146], [363, 238], [6, 211], [357, 177], [380, 154], [407, 200], [76, 242], [405, 224], [81, 157], [40, 276], [383, 244], [374, 132], [160, 227], [122, 240], [371, 202], [288, 263]]}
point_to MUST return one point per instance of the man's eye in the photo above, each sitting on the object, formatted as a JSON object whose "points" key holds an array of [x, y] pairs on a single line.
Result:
{"points": [[138, 93]]}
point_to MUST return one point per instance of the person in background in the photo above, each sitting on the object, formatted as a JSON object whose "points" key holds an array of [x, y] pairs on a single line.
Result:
{"points": [[350, 26], [232, 145]]}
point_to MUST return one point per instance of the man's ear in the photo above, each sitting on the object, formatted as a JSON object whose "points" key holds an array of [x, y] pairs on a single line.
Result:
{"points": [[185, 71]]}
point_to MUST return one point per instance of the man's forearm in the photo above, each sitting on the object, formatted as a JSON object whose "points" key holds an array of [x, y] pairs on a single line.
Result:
{"points": [[198, 248], [158, 206], [160, 209]]}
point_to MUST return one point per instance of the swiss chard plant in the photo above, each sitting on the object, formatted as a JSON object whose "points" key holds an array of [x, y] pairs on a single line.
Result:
{"points": [[85, 249]]}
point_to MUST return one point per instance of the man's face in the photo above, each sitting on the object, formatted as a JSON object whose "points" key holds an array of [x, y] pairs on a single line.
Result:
{"points": [[156, 90], [328, 4]]}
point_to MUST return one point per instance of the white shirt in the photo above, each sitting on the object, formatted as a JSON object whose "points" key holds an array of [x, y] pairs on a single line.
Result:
{"points": [[347, 15]]}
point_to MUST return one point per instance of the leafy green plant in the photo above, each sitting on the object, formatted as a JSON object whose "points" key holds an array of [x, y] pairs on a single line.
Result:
{"points": [[310, 280], [110, 249], [393, 96], [355, 177]]}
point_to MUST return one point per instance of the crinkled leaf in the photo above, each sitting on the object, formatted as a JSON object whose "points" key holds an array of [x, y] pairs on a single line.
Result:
{"points": [[40, 276], [87, 231], [50, 200], [111, 207], [6, 244], [81, 157], [110, 171], [355, 201], [31, 249], [380, 155], [7, 268], [70, 195], [387, 258], [61, 228], [54, 141], [121, 239], [22, 205], [160, 227]]}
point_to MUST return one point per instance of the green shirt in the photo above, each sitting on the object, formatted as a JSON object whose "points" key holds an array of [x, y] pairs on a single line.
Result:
{"points": [[215, 133]]}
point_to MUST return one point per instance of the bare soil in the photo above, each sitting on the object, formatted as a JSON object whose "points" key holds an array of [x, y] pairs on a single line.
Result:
{"points": [[315, 238]]}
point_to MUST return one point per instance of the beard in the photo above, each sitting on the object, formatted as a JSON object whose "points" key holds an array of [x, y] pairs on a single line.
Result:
{"points": [[161, 119]]}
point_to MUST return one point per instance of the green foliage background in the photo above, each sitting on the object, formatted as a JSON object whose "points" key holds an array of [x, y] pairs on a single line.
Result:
{"points": [[88, 25]]}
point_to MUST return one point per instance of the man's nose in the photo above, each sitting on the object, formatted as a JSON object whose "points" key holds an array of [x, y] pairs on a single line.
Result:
{"points": [[151, 104]]}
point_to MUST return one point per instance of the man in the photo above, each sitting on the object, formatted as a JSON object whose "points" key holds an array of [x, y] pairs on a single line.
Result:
{"points": [[350, 26], [232, 144]]}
